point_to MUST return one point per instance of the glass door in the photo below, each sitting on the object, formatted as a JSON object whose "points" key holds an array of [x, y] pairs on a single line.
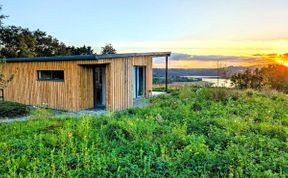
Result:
{"points": [[99, 86], [139, 78]]}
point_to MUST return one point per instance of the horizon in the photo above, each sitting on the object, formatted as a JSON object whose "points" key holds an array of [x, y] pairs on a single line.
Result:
{"points": [[202, 34]]}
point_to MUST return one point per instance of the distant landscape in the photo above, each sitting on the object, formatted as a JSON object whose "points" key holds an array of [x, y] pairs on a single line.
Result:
{"points": [[217, 77], [223, 72]]}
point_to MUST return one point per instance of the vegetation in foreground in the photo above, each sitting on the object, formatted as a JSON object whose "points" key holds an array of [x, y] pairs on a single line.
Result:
{"points": [[191, 132], [12, 109]]}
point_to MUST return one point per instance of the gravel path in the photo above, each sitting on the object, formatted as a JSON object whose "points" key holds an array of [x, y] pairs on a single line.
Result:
{"points": [[13, 120], [60, 114]]}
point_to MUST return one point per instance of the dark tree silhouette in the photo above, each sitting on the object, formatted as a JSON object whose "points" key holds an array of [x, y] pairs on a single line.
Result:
{"points": [[21, 42], [108, 49], [272, 76]]}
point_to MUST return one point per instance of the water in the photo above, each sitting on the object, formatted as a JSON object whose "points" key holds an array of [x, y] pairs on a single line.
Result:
{"points": [[215, 81], [218, 82], [199, 76]]}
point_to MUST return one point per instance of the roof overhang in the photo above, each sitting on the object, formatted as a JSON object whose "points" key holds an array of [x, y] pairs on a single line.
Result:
{"points": [[87, 57]]}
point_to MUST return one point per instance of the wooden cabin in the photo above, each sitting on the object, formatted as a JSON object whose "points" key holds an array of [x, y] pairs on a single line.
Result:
{"points": [[75, 83]]}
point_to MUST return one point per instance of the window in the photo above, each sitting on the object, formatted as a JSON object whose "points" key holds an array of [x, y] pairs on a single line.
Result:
{"points": [[139, 76], [55, 75]]}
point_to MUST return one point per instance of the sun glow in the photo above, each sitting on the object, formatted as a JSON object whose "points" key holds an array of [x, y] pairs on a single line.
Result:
{"points": [[283, 62]]}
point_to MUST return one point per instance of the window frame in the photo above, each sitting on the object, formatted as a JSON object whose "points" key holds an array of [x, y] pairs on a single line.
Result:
{"points": [[136, 81], [51, 75]]}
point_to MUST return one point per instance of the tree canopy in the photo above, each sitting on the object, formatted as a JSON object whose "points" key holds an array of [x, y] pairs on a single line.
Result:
{"points": [[17, 41], [272, 76], [4, 78], [108, 49], [22, 42], [1, 16]]}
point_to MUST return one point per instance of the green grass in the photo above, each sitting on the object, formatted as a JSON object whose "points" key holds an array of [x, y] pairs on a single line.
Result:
{"points": [[193, 132], [12, 109]]}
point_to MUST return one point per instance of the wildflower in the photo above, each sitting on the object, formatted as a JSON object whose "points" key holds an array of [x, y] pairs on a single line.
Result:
{"points": [[70, 134]]}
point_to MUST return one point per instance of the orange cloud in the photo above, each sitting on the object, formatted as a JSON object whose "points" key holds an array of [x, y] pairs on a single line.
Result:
{"points": [[211, 61], [276, 58]]}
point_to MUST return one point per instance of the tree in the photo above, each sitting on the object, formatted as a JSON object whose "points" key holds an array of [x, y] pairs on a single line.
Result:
{"points": [[4, 78], [108, 49], [272, 76], [22, 42], [1, 27], [84, 50], [2, 16]]}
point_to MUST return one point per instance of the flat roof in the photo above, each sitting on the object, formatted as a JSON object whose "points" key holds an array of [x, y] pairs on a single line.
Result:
{"points": [[86, 57]]}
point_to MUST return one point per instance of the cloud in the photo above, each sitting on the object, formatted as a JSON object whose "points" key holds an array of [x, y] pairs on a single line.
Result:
{"points": [[273, 56], [276, 58], [211, 58], [182, 60]]}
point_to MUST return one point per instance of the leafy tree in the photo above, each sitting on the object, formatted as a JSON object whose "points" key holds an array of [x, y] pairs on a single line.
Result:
{"points": [[1, 27], [84, 50], [22, 42], [108, 49], [17, 42], [2, 16], [4, 78], [273, 76]]}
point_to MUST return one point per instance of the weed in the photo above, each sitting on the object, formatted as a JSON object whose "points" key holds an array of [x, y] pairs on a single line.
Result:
{"points": [[12, 109]]}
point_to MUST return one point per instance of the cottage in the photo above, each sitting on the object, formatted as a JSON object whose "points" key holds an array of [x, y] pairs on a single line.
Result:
{"points": [[76, 83]]}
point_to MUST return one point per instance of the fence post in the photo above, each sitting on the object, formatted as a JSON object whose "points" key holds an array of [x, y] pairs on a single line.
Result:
{"points": [[166, 73]]}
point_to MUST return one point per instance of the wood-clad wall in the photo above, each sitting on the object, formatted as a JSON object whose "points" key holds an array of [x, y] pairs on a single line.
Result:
{"points": [[119, 81], [26, 88], [76, 92]]}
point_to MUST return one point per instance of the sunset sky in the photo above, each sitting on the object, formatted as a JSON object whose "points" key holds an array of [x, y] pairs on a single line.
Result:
{"points": [[199, 32]]}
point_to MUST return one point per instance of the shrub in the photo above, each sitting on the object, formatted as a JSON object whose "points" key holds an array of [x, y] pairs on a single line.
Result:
{"points": [[41, 113], [115, 131], [12, 109], [272, 77]]}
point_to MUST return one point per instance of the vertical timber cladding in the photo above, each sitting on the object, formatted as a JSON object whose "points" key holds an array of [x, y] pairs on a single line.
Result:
{"points": [[122, 80], [76, 92], [26, 88], [86, 84], [119, 81], [145, 61]]}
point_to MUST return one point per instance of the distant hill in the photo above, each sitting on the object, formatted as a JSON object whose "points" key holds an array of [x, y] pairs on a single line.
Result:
{"points": [[227, 71]]}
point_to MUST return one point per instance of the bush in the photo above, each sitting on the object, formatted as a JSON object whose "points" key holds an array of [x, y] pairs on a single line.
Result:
{"points": [[273, 77], [12, 109], [41, 113]]}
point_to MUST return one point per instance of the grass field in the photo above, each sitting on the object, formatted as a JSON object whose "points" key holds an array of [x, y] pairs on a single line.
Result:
{"points": [[192, 132]]}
